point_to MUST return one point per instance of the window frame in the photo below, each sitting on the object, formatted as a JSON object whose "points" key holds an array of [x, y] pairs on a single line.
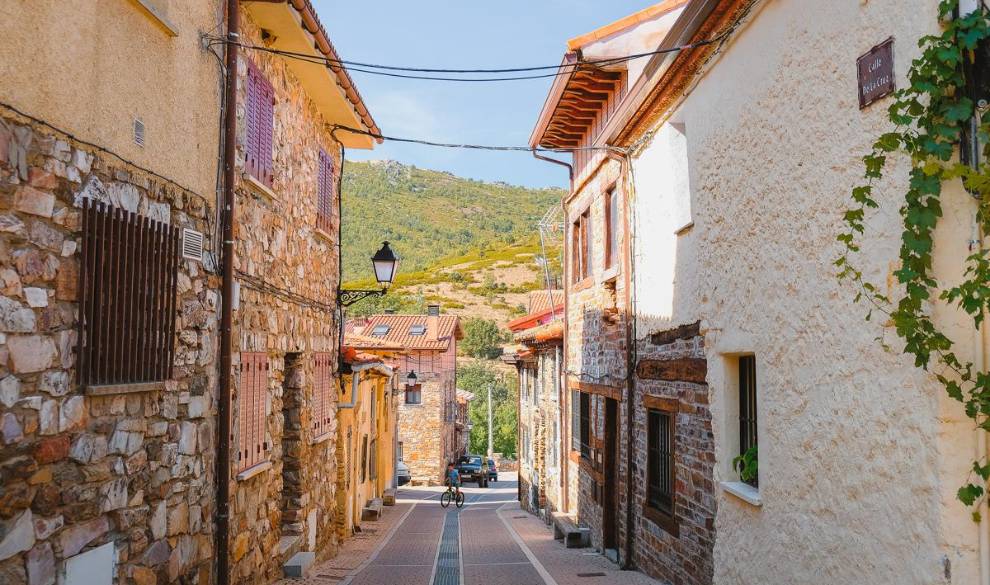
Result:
{"points": [[323, 388], [612, 219], [585, 431], [416, 390], [581, 256], [748, 417]]}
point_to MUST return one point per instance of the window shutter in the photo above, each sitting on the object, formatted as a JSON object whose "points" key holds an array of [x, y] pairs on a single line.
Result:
{"points": [[324, 192], [251, 122], [267, 126], [251, 395]]}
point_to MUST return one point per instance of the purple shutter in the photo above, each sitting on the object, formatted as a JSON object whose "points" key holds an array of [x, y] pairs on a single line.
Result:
{"points": [[266, 127], [324, 192], [251, 122]]}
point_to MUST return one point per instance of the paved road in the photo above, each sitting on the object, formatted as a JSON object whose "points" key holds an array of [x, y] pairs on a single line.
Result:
{"points": [[490, 541]]}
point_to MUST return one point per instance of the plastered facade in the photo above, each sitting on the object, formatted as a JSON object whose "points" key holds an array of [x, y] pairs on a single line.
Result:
{"points": [[860, 451]]}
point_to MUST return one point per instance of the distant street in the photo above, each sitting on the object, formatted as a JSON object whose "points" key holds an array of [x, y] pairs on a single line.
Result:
{"points": [[490, 541]]}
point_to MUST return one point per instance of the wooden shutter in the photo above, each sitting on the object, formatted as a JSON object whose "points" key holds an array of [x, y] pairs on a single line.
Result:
{"points": [[322, 413], [251, 398], [324, 193], [127, 293], [259, 118]]}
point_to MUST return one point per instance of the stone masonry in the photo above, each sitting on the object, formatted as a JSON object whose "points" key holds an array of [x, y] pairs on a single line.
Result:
{"points": [[671, 374], [288, 504], [132, 466]]}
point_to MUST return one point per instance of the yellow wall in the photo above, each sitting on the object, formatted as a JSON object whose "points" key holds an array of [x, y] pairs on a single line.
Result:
{"points": [[357, 421], [90, 67]]}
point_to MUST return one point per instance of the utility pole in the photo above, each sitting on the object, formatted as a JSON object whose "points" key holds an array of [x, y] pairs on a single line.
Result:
{"points": [[489, 420]]}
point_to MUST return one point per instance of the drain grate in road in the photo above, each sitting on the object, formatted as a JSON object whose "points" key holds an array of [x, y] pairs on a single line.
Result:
{"points": [[448, 559], [591, 574]]}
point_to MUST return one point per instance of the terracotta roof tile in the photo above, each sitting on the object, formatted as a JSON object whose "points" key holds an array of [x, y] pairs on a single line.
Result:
{"points": [[399, 326], [539, 300]]}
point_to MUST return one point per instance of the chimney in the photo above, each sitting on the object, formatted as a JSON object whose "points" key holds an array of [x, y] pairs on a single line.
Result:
{"points": [[432, 322]]}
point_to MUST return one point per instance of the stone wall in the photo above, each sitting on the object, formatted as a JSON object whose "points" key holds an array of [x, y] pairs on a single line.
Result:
{"points": [[596, 347], [79, 470], [671, 368], [290, 505], [424, 433]]}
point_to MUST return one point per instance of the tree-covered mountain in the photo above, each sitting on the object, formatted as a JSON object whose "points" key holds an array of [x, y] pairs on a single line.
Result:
{"points": [[431, 215]]}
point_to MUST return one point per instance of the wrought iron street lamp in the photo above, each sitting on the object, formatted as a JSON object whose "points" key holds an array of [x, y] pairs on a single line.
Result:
{"points": [[385, 263], [411, 378]]}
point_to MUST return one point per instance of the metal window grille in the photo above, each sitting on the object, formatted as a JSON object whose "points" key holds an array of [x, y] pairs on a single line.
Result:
{"points": [[364, 459], [585, 424], [325, 193], [251, 405], [260, 116], [373, 460], [414, 394], [322, 413], [126, 297], [747, 405], [660, 460]]}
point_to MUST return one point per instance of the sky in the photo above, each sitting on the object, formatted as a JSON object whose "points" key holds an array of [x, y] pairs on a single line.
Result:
{"points": [[462, 34]]}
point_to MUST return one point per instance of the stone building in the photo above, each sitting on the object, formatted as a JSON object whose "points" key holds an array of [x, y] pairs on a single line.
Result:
{"points": [[286, 320], [107, 454], [428, 437], [367, 417], [462, 422], [538, 359], [743, 336], [108, 313], [598, 331]]}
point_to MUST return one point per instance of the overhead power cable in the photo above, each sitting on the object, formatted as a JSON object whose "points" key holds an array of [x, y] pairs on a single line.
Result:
{"points": [[474, 146], [410, 72]]}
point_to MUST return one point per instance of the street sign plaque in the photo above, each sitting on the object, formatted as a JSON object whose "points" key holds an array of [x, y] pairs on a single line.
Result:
{"points": [[876, 73]]}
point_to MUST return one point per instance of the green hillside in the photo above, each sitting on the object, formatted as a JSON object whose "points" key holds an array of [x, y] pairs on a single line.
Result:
{"points": [[429, 216]]}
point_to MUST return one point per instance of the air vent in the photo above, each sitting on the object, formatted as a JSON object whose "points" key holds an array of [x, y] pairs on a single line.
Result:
{"points": [[192, 245], [139, 132]]}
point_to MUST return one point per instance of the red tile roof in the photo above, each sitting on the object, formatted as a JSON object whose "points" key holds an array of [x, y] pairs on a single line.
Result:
{"points": [[539, 300], [448, 326]]}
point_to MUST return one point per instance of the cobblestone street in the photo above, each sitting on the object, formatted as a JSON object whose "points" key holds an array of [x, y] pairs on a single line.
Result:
{"points": [[490, 541]]}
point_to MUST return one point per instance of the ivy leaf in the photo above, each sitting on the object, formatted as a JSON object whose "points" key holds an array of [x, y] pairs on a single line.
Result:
{"points": [[969, 493]]}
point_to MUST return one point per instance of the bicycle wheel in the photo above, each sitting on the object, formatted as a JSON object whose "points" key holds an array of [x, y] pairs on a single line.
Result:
{"points": [[460, 500], [445, 499]]}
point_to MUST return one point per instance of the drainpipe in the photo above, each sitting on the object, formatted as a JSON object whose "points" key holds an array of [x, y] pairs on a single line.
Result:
{"points": [[226, 296], [625, 161], [564, 459], [980, 360]]}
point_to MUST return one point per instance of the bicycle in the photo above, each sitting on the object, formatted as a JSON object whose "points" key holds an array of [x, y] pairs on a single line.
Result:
{"points": [[451, 494]]}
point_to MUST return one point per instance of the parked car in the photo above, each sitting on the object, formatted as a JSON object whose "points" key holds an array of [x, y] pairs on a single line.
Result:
{"points": [[470, 468], [492, 471], [402, 473]]}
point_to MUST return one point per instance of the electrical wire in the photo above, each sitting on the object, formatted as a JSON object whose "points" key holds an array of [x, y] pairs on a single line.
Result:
{"points": [[261, 285], [475, 146], [389, 70]]}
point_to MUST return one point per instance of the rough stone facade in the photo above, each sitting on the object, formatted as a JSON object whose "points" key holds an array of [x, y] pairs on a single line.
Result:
{"points": [[426, 432], [288, 503], [132, 466]]}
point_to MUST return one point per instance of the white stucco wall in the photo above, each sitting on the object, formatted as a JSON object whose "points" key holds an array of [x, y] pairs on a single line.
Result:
{"points": [[860, 452], [640, 38]]}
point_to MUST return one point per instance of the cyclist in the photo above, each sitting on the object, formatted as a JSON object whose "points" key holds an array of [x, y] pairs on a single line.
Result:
{"points": [[454, 479]]}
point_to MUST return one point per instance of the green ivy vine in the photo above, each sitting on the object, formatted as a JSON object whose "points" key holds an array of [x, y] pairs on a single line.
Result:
{"points": [[930, 117]]}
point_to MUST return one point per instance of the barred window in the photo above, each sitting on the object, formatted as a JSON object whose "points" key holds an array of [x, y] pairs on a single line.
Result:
{"points": [[747, 406], [414, 394], [585, 428], [127, 288], [325, 189], [251, 406], [660, 461]]}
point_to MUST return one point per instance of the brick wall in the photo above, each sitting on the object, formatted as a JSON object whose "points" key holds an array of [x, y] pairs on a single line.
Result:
{"points": [[681, 555]]}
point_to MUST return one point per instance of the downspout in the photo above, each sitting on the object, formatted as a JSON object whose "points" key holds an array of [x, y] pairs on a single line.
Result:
{"points": [[980, 360], [624, 160], [226, 296], [564, 459]]}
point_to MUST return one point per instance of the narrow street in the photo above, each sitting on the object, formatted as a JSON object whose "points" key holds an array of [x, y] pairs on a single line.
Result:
{"points": [[490, 541]]}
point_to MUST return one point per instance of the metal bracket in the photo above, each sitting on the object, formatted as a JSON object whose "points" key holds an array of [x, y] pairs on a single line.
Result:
{"points": [[346, 298]]}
